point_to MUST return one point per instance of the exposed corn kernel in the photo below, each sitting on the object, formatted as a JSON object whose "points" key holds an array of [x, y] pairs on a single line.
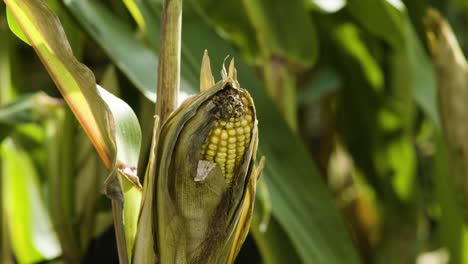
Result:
{"points": [[231, 132], [214, 140], [210, 153], [224, 135], [212, 147], [240, 149], [220, 160]]}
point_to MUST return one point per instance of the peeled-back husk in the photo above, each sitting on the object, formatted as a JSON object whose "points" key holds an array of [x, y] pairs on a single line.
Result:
{"points": [[200, 221]]}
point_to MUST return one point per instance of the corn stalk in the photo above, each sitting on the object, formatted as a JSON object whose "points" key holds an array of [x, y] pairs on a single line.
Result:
{"points": [[451, 71]]}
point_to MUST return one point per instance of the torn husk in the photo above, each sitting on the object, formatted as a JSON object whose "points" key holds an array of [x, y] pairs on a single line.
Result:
{"points": [[205, 174], [452, 86]]}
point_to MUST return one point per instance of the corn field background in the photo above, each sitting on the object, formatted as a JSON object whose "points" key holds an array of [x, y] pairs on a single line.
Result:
{"points": [[362, 110]]}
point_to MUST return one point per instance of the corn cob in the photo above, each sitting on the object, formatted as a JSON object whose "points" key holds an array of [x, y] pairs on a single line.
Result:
{"points": [[231, 132]]}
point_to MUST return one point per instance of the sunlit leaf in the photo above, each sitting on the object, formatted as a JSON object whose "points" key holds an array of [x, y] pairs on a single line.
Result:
{"points": [[109, 122], [75, 81], [33, 237], [127, 129], [398, 121], [130, 55], [128, 140], [15, 27], [347, 36]]}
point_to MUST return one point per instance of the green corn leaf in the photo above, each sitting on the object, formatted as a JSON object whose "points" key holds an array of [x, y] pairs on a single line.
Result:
{"points": [[15, 27], [394, 26], [109, 122], [130, 55], [34, 239], [74, 80], [347, 35], [421, 73], [128, 139], [274, 245], [379, 18], [235, 24], [262, 22], [28, 108]]}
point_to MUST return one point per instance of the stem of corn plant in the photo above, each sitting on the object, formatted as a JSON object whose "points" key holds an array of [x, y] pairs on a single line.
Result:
{"points": [[119, 233], [60, 172], [167, 93], [451, 70], [91, 166], [169, 59], [451, 157]]}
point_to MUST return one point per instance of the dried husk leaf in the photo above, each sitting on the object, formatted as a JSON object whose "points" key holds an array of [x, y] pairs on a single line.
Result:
{"points": [[206, 77]]}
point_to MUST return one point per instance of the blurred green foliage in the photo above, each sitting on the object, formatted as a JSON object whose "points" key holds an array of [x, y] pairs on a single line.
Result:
{"points": [[358, 168]]}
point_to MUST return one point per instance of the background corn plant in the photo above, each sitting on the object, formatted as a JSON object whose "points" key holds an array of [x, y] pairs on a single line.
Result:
{"points": [[358, 166]]}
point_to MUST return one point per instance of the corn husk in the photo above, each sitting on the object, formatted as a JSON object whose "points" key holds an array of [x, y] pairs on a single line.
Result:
{"points": [[201, 217]]}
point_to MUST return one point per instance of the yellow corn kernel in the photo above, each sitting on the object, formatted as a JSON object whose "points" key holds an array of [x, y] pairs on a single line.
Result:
{"points": [[212, 147], [230, 135]]}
